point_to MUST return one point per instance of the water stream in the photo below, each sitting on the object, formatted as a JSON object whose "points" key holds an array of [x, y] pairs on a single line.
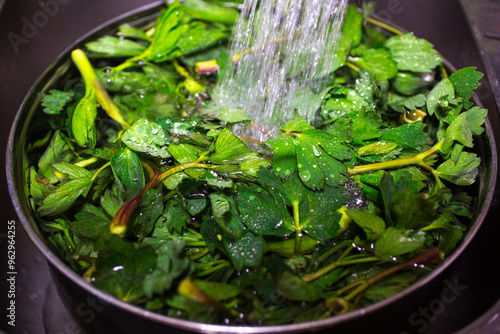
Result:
{"points": [[281, 48]]}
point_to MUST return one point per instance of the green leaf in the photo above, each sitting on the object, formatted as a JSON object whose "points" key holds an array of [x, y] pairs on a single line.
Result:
{"points": [[284, 159], [217, 181], [58, 150], [346, 100], [230, 149], [64, 196], [366, 126], [184, 153], [82, 122], [111, 202], [73, 171], [410, 83], [111, 46], [245, 251], [226, 114], [412, 210], [296, 124], [37, 190], [476, 117], [377, 148], [389, 286], [210, 12], [459, 131], [199, 37], [388, 188], [410, 136], [314, 153], [251, 167], [462, 172], [91, 222], [291, 189], [442, 89], [465, 81], [372, 225], [261, 213], [175, 215], [350, 36], [150, 210], [171, 265], [294, 288], [121, 269], [402, 103], [413, 54], [128, 31], [128, 171], [365, 86], [55, 101], [147, 137], [218, 291], [378, 62], [318, 212], [168, 30], [196, 205], [396, 242]]}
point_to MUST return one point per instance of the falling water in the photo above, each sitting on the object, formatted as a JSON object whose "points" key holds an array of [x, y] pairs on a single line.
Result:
{"points": [[280, 48]]}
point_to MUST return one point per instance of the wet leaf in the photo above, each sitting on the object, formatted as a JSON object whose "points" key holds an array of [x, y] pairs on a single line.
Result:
{"points": [[128, 171], [147, 137], [413, 54]]}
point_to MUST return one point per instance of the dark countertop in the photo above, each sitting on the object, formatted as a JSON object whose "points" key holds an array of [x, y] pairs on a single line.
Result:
{"points": [[24, 54]]}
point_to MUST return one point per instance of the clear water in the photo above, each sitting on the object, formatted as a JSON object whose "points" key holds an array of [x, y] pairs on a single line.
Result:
{"points": [[282, 48]]}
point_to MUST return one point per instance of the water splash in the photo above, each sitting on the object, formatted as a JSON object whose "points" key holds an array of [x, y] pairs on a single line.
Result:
{"points": [[281, 48]]}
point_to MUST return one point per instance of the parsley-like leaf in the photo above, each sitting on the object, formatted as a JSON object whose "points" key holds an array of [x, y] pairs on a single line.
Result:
{"points": [[465, 81], [413, 54], [314, 153], [55, 101]]}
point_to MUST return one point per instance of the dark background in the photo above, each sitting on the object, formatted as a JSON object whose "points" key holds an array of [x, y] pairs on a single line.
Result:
{"points": [[466, 38]]}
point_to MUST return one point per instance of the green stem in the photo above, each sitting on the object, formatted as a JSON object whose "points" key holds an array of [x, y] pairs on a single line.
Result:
{"points": [[92, 83], [120, 220], [298, 228], [317, 274], [334, 249], [352, 66], [196, 244], [416, 160], [87, 162], [103, 167], [384, 26], [212, 270], [429, 256]]}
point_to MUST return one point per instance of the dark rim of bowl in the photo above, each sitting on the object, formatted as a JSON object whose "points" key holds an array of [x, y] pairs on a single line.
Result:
{"points": [[54, 260]]}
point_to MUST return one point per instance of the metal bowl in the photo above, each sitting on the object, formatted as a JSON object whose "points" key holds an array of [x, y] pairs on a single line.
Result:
{"points": [[99, 312]]}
